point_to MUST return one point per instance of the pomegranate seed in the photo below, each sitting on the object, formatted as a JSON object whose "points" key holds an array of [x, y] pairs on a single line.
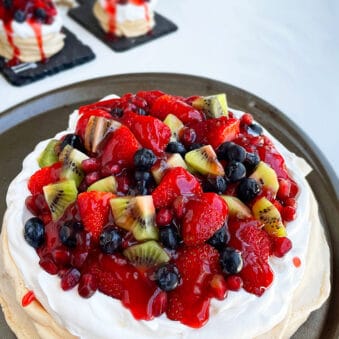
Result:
{"points": [[78, 258], [190, 99], [164, 217], [188, 136], [61, 256], [246, 119], [159, 303], [294, 189], [46, 218], [90, 165], [30, 204], [179, 207], [87, 286], [234, 282], [70, 279], [284, 189], [291, 202], [288, 213], [110, 169], [278, 205], [92, 178], [218, 287], [48, 265], [281, 246], [40, 203]]}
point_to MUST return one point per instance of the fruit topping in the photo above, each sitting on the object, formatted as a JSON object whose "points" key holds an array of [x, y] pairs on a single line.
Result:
{"points": [[176, 181], [146, 254], [175, 126], [230, 151], [214, 106], [176, 147], [34, 232], [236, 208], [204, 160], [266, 176], [235, 171], [67, 235], [144, 159], [169, 237], [49, 156], [254, 129], [230, 260], [110, 240], [59, 196], [204, 216], [159, 169], [248, 189], [268, 214], [216, 184], [167, 277], [137, 215], [220, 238], [94, 211], [108, 184]]}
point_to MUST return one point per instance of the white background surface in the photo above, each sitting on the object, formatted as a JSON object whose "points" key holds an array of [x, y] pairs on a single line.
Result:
{"points": [[286, 52]]}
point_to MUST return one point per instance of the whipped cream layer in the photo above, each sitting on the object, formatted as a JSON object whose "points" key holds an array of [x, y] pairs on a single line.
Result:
{"points": [[240, 315]]}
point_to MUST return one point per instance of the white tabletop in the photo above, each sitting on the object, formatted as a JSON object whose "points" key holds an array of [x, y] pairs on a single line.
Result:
{"points": [[286, 52]]}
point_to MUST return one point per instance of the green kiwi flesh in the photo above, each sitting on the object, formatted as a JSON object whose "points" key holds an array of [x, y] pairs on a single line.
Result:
{"points": [[59, 196], [136, 214], [204, 160], [108, 184], [48, 156], [236, 208], [266, 176], [175, 126], [147, 254], [215, 106], [174, 160]]}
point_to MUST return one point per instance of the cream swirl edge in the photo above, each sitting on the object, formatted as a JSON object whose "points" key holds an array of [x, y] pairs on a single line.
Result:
{"points": [[260, 315]]}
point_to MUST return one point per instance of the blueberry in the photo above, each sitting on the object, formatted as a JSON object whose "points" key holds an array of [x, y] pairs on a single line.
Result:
{"points": [[144, 159], [140, 111], [67, 235], [110, 241], [117, 112], [235, 171], [219, 239], [223, 149], [40, 13], [230, 260], [73, 140], [215, 184], [248, 189], [176, 147], [8, 4], [254, 129], [251, 162], [194, 146], [167, 277], [141, 188], [34, 232], [231, 152], [19, 16], [169, 237], [142, 176]]}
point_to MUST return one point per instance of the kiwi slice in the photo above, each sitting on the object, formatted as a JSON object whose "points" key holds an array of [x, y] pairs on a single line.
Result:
{"points": [[71, 168], [268, 214], [204, 160], [147, 254], [136, 214], [266, 176], [108, 184], [59, 196], [174, 160], [175, 126], [215, 106], [236, 208], [97, 130], [49, 156]]}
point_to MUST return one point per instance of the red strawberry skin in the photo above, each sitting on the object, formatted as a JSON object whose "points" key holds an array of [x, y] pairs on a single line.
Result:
{"points": [[189, 302], [83, 120], [151, 132], [44, 176], [120, 147], [150, 96], [94, 211], [254, 244], [167, 104], [216, 131], [204, 216], [176, 181]]}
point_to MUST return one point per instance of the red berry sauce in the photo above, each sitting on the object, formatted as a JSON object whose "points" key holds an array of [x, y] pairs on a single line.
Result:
{"points": [[190, 216]]}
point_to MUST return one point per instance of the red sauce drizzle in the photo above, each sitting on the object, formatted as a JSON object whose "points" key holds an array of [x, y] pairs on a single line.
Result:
{"points": [[16, 52], [111, 8], [28, 298], [36, 26], [296, 262]]}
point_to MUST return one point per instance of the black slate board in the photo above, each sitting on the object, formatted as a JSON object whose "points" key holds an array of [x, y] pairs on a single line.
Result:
{"points": [[83, 14], [73, 54]]}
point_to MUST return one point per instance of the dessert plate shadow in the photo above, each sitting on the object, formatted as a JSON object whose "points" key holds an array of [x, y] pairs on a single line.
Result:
{"points": [[23, 126]]}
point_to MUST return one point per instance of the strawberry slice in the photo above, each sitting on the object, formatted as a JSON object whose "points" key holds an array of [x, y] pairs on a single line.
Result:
{"points": [[83, 120], [204, 216], [216, 131], [43, 177], [94, 211], [189, 302], [176, 181], [167, 104], [151, 132], [254, 244], [150, 96], [120, 148]]}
